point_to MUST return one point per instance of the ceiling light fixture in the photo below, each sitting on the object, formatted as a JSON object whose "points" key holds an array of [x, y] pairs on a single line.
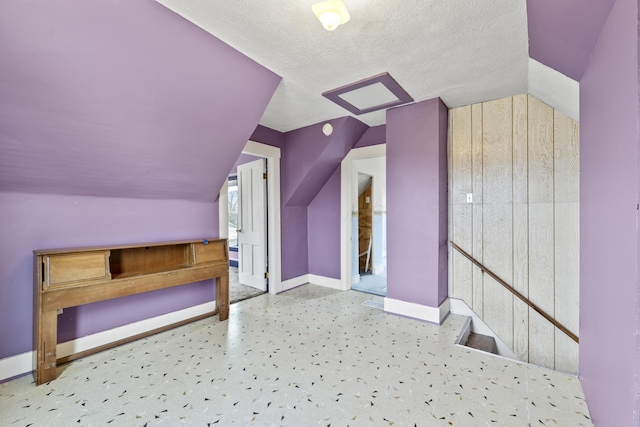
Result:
{"points": [[331, 13]]}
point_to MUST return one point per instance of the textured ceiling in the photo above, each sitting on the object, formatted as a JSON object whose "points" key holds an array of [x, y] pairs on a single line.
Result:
{"points": [[464, 51]]}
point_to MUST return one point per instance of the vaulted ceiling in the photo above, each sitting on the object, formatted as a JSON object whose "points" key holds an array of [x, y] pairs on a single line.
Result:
{"points": [[128, 99], [463, 51]]}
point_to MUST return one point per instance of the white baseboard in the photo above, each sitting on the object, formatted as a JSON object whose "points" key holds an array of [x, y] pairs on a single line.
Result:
{"points": [[460, 307], [417, 311], [327, 282], [312, 278], [295, 282], [23, 363], [16, 365]]}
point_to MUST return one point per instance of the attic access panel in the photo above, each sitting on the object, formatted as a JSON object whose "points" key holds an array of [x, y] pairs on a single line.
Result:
{"points": [[371, 94]]}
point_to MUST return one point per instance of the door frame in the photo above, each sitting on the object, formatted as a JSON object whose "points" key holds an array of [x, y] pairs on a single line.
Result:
{"points": [[248, 213], [274, 247], [346, 206]]}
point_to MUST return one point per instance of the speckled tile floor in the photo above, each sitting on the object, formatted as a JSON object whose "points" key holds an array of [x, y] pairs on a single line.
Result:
{"points": [[309, 357]]}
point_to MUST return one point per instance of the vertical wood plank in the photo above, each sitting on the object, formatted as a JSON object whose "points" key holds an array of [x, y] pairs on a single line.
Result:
{"points": [[520, 226], [477, 276], [540, 151], [498, 310], [462, 236], [521, 330], [461, 154], [497, 256], [541, 283], [520, 149], [462, 213], [520, 159], [497, 221], [497, 224], [521, 279], [476, 152], [541, 341], [476, 169], [497, 151], [521, 248], [541, 256], [567, 265], [450, 203], [567, 239], [566, 159], [566, 354]]}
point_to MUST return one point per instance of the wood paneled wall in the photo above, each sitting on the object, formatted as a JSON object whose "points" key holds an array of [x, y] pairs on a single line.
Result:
{"points": [[519, 158]]}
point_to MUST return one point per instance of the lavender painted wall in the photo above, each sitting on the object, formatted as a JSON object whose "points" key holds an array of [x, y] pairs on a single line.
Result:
{"points": [[309, 160], [133, 122], [268, 136], [35, 221], [310, 157], [373, 136], [294, 242], [609, 118], [302, 148], [323, 224], [417, 203], [562, 33], [128, 96]]}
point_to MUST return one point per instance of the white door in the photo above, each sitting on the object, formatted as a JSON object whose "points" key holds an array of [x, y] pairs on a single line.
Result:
{"points": [[252, 230]]}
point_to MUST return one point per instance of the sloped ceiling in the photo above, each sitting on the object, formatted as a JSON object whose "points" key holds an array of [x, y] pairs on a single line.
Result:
{"points": [[311, 158], [464, 51], [128, 99], [121, 99]]}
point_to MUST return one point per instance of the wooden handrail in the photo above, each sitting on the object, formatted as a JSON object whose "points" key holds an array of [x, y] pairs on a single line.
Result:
{"points": [[538, 310]]}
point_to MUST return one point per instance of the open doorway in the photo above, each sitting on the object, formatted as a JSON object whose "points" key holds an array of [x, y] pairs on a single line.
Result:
{"points": [[247, 228], [231, 204], [252, 223], [363, 220], [365, 224]]}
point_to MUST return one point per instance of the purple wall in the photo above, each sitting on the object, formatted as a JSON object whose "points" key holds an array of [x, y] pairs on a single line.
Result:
{"points": [[268, 136], [35, 221], [323, 224], [324, 216], [608, 221], [373, 136], [301, 150], [562, 33], [113, 129], [143, 108], [310, 158], [417, 203], [295, 250]]}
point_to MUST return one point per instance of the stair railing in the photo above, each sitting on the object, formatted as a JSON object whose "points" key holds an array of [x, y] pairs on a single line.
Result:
{"points": [[524, 299]]}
